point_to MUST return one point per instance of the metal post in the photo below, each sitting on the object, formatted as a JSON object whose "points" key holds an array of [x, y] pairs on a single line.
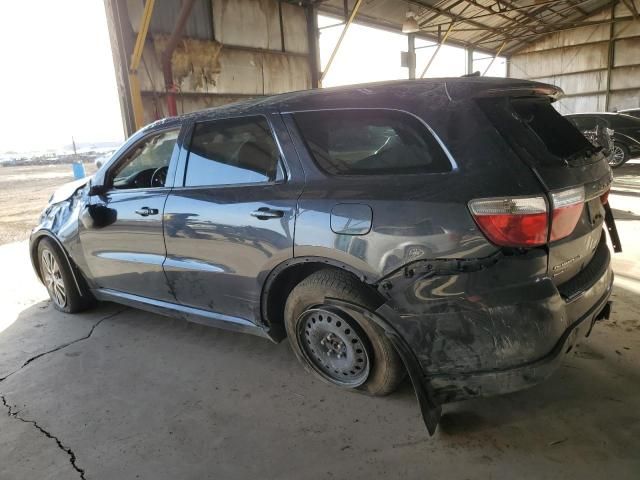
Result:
{"points": [[433, 57], [610, 55], [344, 32], [469, 69], [494, 58], [281, 26], [167, 69], [411, 55], [312, 40], [136, 56], [121, 45]]}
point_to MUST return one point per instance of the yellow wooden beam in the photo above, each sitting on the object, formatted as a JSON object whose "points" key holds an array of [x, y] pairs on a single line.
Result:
{"points": [[435, 54], [344, 32], [136, 56]]}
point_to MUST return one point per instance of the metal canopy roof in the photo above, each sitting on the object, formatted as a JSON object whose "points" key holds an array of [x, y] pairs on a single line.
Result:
{"points": [[503, 26]]}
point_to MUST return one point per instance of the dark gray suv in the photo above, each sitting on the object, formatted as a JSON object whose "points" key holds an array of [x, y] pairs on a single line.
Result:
{"points": [[451, 229]]}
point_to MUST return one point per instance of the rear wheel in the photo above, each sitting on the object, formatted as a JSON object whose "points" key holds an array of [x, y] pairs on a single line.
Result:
{"points": [[335, 345], [620, 155], [59, 281]]}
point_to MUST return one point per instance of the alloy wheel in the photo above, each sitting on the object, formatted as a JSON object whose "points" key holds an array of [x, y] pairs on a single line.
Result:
{"points": [[53, 280], [618, 156], [334, 346]]}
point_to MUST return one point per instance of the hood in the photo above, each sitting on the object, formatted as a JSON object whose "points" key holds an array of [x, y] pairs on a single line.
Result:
{"points": [[67, 190]]}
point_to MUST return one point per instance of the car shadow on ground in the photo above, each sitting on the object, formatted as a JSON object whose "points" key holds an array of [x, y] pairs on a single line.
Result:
{"points": [[158, 388], [591, 379]]}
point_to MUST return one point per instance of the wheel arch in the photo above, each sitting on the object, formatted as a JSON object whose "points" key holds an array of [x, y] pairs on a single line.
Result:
{"points": [[285, 276], [36, 238]]}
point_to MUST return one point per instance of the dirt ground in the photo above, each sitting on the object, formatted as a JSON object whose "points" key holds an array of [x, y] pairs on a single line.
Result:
{"points": [[24, 192]]}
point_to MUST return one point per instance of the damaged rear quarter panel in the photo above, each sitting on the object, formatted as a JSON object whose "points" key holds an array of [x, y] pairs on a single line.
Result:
{"points": [[504, 312]]}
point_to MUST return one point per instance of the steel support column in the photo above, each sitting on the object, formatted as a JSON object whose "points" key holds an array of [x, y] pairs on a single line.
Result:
{"points": [[494, 58], [610, 55], [411, 55], [314, 47], [342, 35], [167, 69], [435, 54]]}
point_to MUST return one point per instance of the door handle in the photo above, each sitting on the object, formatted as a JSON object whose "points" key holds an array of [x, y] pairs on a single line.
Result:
{"points": [[265, 213], [146, 211]]}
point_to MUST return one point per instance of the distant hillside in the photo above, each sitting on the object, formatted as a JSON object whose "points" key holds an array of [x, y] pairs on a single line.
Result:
{"points": [[92, 145]]}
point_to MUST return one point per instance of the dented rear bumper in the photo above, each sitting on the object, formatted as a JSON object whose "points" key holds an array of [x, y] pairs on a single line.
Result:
{"points": [[476, 329], [459, 386]]}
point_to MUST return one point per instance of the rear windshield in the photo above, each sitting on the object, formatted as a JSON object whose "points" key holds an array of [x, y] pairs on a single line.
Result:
{"points": [[536, 126], [371, 142]]}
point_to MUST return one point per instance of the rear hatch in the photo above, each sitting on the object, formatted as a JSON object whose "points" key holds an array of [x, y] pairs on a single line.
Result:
{"points": [[573, 174]]}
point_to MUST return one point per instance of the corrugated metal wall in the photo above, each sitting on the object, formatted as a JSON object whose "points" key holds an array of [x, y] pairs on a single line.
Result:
{"points": [[231, 49], [578, 61]]}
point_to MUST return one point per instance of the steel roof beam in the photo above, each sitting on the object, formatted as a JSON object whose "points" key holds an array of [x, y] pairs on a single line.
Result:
{"points": [[576, 23]]}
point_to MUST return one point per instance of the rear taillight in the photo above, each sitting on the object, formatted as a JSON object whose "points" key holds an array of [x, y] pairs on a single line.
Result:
{"points": [[524, 221], [567, 208], [605, 197], [513, 221]]}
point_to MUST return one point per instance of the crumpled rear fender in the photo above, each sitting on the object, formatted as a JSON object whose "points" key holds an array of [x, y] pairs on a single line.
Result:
{"points": [[429, 407]]}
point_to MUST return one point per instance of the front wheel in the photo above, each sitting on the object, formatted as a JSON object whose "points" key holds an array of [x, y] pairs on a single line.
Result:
{"points": [[59, 281], [333, 344], [620, 155]]}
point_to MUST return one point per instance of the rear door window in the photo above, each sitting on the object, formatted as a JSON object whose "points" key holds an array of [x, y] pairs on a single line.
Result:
{"points": [[231, 152], [371, 142]]}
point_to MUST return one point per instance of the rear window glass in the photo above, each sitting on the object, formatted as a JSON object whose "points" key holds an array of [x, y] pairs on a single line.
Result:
{"points": [[536, 126], [371, 142]]}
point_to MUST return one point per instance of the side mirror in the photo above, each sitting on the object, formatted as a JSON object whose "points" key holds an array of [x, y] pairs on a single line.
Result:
{"points": [[97, 189]]}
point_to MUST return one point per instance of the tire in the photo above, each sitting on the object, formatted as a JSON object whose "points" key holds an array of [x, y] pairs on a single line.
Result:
{"points": [[59, 282], [384, 371], [620, 155]]}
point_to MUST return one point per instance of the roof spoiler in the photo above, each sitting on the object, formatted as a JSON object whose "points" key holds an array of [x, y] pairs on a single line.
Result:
{"points": [[533, 89]]}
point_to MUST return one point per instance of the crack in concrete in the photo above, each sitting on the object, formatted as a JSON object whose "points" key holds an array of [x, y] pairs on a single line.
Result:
{"points": [[61, 446], [15, 414], [64, 345]]}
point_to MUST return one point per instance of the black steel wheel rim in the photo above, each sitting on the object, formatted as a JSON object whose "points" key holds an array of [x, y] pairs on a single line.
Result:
{"points": [[334, 345]]}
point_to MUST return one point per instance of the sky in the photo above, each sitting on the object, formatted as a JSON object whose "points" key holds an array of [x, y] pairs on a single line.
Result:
{"points": [[58, 79], [369, 55]]}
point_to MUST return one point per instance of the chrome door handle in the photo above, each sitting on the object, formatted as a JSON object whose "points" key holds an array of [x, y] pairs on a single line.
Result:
{"points": [[146, 211], [265, 213]]}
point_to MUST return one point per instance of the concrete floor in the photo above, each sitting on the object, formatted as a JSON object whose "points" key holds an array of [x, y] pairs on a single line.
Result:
{"points": [[117, 393]]}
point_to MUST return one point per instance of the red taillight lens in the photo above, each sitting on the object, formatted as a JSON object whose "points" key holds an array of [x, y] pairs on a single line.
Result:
{"points": [[567, 208], [605, 197], [523, 221], [513, 222]]}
